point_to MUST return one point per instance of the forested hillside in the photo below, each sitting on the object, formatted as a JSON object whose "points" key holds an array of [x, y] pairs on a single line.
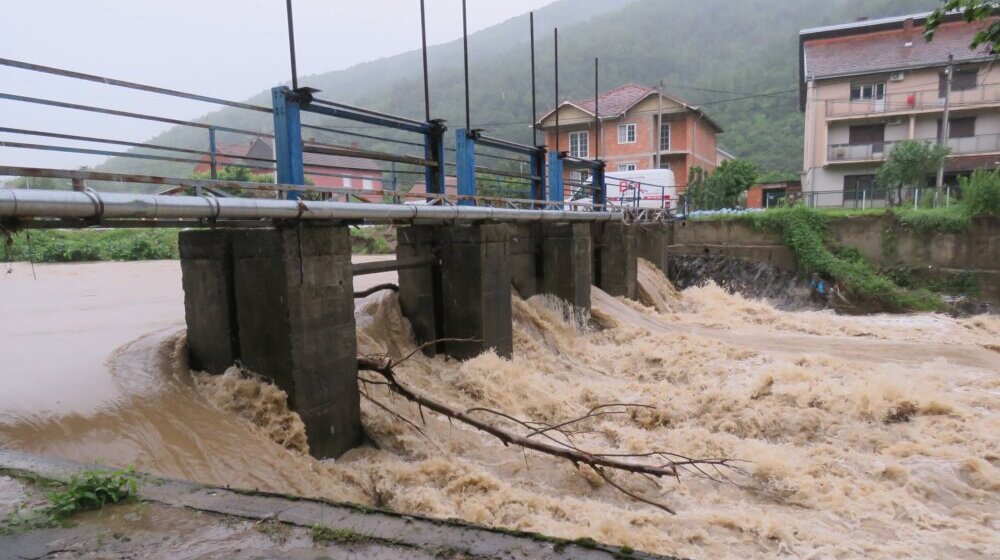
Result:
{"points": [[737, 59]]}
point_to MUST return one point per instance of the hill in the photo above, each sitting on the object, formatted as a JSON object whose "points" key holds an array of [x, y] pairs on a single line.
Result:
{"points": [[738, 60]]}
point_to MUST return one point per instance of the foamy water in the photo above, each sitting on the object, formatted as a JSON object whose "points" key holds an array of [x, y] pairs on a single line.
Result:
{"points": [[871, 437]]}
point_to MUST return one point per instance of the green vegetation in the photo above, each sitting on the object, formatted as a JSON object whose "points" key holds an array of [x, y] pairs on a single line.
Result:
{"points": [[91, 490], [972, 11], [804, 231], [373, 240], [323, 534], [93, 245], [981, 193], [87, 491], [724, 187], [908, 166], [233, 173], [61, 246]]}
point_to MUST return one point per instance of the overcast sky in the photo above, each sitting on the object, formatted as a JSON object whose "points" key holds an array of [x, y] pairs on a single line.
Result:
{"points": [[224, 48]]}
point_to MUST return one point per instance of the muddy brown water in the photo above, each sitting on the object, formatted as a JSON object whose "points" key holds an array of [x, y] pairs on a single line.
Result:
{"points": [[92, 369]]}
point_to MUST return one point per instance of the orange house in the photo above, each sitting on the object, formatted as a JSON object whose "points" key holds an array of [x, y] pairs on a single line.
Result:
{"points": [[626, 137]]}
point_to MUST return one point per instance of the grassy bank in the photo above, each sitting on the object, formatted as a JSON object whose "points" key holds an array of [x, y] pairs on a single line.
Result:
{"points": [[804, 230], [61, 246]]}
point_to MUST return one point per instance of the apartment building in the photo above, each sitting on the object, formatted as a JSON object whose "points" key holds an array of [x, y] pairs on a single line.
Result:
{"points": [[868, 85], [627, 139]]}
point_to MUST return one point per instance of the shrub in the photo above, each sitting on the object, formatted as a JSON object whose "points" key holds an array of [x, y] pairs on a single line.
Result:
{"points": [[91, 490], [981, 193]]}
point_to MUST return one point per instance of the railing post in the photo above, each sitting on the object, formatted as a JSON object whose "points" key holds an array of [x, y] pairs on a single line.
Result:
{"points": [[538, 170], [555, 177], [434, 177], [465, 165], [288, 138], [213, 161], [598, 183]]}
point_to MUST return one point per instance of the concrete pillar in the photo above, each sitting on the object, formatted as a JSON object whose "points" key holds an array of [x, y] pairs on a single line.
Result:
{"points": [[420, 288], [209, 299], [615, 259], [295, 301], [475, 286], [652, 241], [567, 268], [524, 258]]}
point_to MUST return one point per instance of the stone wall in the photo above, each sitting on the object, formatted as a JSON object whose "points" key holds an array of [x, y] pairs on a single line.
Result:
{"points": [[882, 240]]}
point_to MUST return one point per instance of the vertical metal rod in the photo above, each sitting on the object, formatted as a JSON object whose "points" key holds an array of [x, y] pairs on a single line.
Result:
{"points": [[555, 39], [465, 52], [211, 153], [534, 110], [291, 44], [659, 125], [944, 133], [423, 39], [597, 112]]}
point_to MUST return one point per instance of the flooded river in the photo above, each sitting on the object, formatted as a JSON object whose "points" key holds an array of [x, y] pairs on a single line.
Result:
{"points": [[875, 437]]}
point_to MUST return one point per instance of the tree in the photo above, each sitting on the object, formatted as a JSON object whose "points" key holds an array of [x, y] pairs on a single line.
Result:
{"points": [[39, 183], [972, 11], [909, 165], [723, 188]]}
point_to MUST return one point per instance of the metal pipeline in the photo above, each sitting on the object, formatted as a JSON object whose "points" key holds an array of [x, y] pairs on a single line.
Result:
{"points": [[17, 203]]}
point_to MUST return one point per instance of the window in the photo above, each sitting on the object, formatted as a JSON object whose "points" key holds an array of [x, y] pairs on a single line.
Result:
{"points": [[964, 127], [861, 187], [867, 134], [860, 92], [366, 184], [581, 176], [626, 167], [347, 182], [579, 144], [963, 80], [626, 133], [665, 136]]}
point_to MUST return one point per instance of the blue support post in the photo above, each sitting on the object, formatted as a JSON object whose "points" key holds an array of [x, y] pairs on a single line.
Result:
{"points": [[465, 160], [434, 177], [555, 178], [597, 181], [288, 138], [538, 170]]}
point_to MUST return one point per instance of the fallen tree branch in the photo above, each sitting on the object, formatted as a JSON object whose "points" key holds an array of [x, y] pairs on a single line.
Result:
{"points": [[553, 447], [373, 289]]}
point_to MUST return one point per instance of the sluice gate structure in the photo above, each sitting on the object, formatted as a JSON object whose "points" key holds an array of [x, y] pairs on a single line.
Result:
{"points": [[266, 266]]}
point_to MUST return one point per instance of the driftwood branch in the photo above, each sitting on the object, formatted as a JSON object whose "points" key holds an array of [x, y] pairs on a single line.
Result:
{"points": [[671, 464]]}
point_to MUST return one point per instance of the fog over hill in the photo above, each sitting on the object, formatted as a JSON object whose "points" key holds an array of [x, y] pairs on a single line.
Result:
{"points": [[720, 54]]}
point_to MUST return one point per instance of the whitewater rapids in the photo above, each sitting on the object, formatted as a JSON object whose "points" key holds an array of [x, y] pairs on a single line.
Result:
{"points": [[874, 437]]}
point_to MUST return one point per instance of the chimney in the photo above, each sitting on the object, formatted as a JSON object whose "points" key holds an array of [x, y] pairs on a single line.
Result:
{"points": [[908, 32]]}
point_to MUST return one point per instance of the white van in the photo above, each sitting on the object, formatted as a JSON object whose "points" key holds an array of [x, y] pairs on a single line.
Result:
{"points": [[648, 188]]}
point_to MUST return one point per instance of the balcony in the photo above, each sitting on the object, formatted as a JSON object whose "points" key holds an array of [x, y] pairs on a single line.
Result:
{"points": [[910, 102], [847, 153]]}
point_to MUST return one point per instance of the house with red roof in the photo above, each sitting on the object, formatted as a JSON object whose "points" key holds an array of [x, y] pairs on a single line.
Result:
{"points": [[625, 133], [321, 170], [866, 86]]}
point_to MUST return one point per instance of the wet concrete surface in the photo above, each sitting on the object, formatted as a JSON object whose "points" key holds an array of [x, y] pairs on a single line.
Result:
{"points": [[180, 520]]}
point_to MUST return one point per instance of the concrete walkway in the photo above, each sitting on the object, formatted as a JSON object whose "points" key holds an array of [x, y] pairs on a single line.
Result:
{"points": [[178, 519]]}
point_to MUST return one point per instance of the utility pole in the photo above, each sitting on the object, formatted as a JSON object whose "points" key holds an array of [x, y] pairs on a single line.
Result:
{"points": [[944, 132], [659, 125]]}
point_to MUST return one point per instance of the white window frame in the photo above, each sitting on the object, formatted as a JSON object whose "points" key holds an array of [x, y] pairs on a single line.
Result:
{"points": [[873, 91], [347, 182], [581, 176], [627, 133], [366, 184], [665, 126], [577, 137], [628, 167]]}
